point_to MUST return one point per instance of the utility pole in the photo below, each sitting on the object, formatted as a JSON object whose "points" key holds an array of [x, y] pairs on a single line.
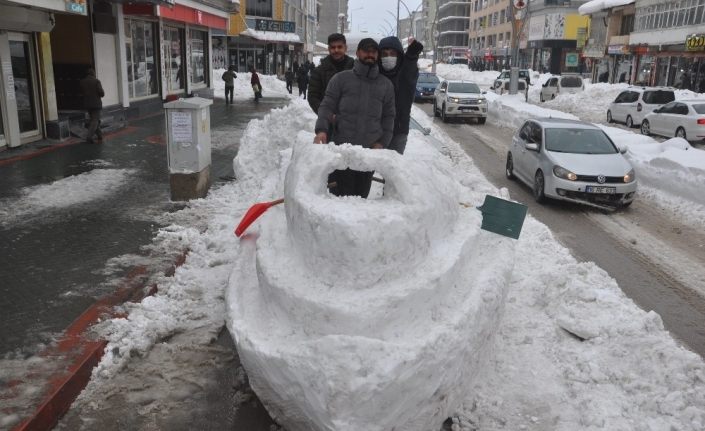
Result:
{"points": [[519, 15], [398, 35], [435, 34]]}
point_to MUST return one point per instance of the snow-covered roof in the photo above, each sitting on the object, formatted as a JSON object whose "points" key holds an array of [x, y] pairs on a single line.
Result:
{"points": [[273, 36], [597, 5]]}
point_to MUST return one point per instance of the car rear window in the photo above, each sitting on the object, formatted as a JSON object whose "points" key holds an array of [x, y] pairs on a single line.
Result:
{"points": [[700, 108], [571, 81], [428, 79], [578, 141], [463, 87], [658, 97]]}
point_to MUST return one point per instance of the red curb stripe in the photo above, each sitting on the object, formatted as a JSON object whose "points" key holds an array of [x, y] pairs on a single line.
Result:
{"points": [[84, 354]]}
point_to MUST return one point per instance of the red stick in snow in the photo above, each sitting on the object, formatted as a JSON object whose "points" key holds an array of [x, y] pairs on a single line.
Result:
{"points": [[253, 214]]}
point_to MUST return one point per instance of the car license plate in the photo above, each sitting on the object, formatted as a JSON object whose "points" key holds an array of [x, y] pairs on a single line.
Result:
{"points": [[599, 189]]}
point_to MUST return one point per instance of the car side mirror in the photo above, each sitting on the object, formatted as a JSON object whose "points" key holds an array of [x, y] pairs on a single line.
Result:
{"points": [[532, 146], [484, 92], [441, 90], [657, 110], [623, 149]]}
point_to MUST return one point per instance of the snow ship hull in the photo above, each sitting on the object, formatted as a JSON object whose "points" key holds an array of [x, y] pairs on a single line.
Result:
{"points": [[374, 315]]}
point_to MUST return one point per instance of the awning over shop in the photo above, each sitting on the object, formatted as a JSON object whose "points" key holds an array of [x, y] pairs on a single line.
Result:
{"points": [[272, 36], [598, 5]]}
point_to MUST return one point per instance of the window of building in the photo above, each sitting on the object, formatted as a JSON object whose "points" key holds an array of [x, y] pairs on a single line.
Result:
{"points": [[172, 42], [502, 16], [142, 76], [627, 25], [495, 18], [261, 8], [199, 57]]}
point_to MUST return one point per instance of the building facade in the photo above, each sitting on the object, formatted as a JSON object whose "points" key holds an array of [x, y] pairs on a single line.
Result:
{"points": [[490, 34], [556, 33], [453, 22], [329, 19], [428, 34], [143, 52]]}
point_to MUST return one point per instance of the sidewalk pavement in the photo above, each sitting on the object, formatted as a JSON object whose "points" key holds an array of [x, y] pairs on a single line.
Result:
{"points": [[57, 261]]}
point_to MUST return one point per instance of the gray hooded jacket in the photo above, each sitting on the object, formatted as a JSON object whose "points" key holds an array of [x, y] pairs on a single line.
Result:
{"points": [[362, 102]]}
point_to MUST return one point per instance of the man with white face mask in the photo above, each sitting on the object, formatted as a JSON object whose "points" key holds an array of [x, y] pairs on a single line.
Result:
{"points": [[403, 71]]}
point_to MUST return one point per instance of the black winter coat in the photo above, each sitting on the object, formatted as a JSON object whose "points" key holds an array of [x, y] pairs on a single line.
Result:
{"points": [[321, 76], [362, 102], [404, 78], [92, 93]]}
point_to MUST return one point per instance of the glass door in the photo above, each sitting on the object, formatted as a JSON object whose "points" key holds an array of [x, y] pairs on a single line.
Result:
{"points": [[24, 76]]}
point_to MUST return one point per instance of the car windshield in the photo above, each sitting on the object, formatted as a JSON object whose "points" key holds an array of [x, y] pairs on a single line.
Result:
{"points": [[700, 109], [428, 79], [579, 141], [658, 97], [463, 87], [571, 81]]}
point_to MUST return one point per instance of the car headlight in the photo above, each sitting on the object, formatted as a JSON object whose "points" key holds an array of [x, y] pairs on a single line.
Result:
{"points": [[453, 99], [564, 173], [631, 176], [481, 100]]}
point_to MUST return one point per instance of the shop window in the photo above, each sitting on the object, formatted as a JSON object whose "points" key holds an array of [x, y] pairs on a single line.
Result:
{"points": [[172, 42], [199, 43], [142, 77], [261, 8]]}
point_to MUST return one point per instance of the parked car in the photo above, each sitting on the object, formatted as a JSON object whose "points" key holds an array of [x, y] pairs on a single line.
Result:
{"points": [[426, 85], [501, 86], [523, 74], [631, 105], [573, 161], [556, 85], [460, 99], [682, 118]]}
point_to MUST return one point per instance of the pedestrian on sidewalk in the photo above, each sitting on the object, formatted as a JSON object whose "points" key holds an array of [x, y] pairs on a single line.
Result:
{"points": [[256, 86], [403, 71], [289, 78], [302, 81], [359, 104], [229, 78], [92, 94]]}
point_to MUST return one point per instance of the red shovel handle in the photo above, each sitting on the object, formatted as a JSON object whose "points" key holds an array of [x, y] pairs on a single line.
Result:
{"points": [[253, 214]]}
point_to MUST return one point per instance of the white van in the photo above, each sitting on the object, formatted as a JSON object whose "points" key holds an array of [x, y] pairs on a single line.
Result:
{"points": [[556, 85]]}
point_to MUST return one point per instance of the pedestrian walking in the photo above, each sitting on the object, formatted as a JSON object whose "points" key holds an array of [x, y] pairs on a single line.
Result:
{"points": [[359, 103], [403, 71], [302, 81], [336, 61], [92, 94], [256, 85], [289, 78], [229, 78]]}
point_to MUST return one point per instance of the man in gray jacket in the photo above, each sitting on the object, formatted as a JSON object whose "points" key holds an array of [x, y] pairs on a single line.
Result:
{"points": [[92, 93], [359, 103]]}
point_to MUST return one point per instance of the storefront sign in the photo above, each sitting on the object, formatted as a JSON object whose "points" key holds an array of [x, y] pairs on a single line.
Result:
{"points": [[76, 6], [594, 51], [270, 25], [618, 50], [571, 59], [695, 42]]}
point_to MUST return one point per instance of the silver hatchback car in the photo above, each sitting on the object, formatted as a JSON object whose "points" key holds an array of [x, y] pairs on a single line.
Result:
{"points": [[573, 161]]}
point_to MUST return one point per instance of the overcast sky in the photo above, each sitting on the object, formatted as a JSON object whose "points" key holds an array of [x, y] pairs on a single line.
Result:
{"points": [[370, 15]]}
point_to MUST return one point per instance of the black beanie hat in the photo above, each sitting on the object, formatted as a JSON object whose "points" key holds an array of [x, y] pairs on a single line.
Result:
{"points": [[367, 43]]}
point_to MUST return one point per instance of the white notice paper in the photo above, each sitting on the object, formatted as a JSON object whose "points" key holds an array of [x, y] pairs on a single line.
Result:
{"points": [[181, 127]]}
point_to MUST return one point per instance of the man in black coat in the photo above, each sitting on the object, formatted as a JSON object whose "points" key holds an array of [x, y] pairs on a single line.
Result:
{"points": [[335, 62], [92, 93], [403, 71]]}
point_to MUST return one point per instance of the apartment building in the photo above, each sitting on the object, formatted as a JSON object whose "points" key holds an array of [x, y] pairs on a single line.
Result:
{"points": [[453, 22], [490, 34], [428, 37]]}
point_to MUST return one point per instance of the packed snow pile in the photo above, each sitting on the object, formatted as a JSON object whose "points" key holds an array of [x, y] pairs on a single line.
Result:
{"points": [[367, 314]]}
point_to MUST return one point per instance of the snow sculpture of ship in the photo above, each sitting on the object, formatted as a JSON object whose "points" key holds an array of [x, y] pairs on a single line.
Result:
{"points": [[367, 315]]}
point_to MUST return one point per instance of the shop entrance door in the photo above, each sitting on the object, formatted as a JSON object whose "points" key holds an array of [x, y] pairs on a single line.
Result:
{"points": [[24, 77]]}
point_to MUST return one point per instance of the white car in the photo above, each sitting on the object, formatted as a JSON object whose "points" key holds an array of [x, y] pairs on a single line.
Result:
{"points": [[460, 99], [682, 118], [501, 86], [556, 85], [631, 105], [573, 161]]}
